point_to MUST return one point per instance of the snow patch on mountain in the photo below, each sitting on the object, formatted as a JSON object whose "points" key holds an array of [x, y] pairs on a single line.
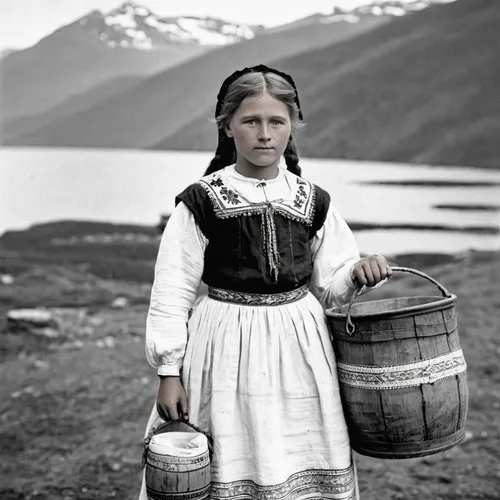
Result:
{"points": [[394, 8], [132, 25]]}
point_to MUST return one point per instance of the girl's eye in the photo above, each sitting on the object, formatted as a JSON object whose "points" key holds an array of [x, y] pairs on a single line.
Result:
{"points": [[277, 122], [252, 121]]}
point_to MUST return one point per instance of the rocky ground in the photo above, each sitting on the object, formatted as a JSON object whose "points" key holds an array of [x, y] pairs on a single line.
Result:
{"points": [[76, 389]]}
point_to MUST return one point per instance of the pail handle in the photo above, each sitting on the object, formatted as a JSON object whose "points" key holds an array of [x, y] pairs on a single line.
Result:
{"points": [[164, 425], [350, 327]]}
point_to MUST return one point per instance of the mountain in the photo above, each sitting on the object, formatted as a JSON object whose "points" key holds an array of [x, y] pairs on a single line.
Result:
{"points": [[145, 113], [395, 8], [73, 104], [422, 88], [98, 48], [132, 25]]}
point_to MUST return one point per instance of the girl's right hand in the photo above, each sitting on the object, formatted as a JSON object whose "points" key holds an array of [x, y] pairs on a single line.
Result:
{"points": [[171, 399]]}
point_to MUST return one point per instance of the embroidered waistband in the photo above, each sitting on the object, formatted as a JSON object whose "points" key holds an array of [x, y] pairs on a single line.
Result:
{"points": [[257, 299]]}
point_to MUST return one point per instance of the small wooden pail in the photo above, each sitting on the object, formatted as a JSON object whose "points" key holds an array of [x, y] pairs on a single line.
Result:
{"points": [[174, 470], [402, 373]]}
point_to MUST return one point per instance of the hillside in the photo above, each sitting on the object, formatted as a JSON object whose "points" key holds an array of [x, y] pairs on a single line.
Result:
{"points": [[124, 252], [99, 48], [71, 105], [71, 61], [419, 89], [162, 104]]}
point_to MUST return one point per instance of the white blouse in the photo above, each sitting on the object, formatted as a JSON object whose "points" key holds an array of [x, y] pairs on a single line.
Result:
{"points": [[179, 268]]}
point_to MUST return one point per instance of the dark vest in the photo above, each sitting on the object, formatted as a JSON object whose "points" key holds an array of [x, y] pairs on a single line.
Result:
{"points": [[235, 257]]}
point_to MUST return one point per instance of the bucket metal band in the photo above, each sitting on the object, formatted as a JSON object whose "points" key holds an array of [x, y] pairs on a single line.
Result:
{"points": [[201, 494], [413, 374], [257, 299]]}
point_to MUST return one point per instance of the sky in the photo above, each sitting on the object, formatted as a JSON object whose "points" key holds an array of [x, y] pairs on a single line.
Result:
{"points": [[25, 22]]}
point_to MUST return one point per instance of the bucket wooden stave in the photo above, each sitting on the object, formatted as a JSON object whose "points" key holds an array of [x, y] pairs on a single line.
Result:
{"points": [[402, 374], [171, 477]]}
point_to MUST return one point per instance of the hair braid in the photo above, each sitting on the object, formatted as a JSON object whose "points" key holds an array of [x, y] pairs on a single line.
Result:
{"points": [[291, 155], [224, 156]]}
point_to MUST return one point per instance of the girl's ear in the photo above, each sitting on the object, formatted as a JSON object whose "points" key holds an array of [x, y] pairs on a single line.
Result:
{"points": [[228, 131]]}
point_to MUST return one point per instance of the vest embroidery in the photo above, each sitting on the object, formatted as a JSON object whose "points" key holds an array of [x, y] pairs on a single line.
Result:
{"points": [[228, 203]]}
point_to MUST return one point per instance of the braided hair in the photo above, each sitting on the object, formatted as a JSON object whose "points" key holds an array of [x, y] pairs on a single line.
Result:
{"points": [[233, 91]]}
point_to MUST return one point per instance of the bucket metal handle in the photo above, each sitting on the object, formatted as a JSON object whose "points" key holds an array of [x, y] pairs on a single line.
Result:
{"points": [[164, 425], [350, 327]]}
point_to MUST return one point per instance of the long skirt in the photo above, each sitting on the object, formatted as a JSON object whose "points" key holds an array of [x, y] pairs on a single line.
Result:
{"points": [[262, 380]]}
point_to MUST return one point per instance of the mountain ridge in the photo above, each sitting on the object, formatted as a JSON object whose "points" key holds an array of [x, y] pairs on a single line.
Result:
{"points": [[390, 94]]}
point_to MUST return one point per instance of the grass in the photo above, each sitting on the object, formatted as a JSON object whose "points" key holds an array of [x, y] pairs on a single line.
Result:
{"points": [[72, 419]]}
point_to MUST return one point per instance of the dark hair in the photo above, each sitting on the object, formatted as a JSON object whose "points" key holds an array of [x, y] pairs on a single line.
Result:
{"points": [[248, 83]]}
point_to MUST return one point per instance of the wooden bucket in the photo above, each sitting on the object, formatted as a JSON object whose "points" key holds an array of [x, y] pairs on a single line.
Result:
{"points": [[170, 475], [402, 373]]}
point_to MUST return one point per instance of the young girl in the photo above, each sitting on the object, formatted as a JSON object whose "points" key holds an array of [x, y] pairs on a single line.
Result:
{"points": [[252, 363]]}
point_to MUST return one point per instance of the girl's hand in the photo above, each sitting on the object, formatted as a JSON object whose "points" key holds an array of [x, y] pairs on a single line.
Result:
{"points": [[371, 270], [171, 400]]}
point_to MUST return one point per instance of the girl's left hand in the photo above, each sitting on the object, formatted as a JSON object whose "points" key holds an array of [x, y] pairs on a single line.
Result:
{"points": [[371, 270]]}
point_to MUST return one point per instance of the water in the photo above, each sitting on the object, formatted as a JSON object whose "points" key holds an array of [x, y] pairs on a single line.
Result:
{"points": [[39, 185]]}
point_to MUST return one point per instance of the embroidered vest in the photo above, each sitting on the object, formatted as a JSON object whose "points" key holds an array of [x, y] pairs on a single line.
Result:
{"points": [[256, 247]]}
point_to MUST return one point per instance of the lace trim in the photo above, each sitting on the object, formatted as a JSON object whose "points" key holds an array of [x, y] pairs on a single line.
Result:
{"points": [[170, 463], [414, 374], [310, 484], [228, 203], [257, 299]]}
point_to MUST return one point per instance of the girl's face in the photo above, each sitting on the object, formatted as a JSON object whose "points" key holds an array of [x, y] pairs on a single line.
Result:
{"points": [[260, 127]]}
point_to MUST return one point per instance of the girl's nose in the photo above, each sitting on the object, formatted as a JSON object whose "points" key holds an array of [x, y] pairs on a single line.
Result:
{"points": [[264, 133]]}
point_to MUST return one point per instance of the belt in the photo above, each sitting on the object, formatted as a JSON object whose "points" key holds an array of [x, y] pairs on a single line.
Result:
{"points": [[257, 299]]}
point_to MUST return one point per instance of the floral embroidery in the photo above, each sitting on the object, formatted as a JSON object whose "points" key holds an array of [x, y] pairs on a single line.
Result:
{"points": [[226, 194], [300, 207], [230, 196], [217, 182], [310, 484], [298, 202]]}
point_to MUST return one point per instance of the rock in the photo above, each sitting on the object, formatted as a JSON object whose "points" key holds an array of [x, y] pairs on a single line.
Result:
{"points": [[6, 279], [40, 364], [120, 303], [41, 322], [87, 331], [108, 341], [33, 317], [77, 344], [50, 333], [96, 321], [27, 390]]}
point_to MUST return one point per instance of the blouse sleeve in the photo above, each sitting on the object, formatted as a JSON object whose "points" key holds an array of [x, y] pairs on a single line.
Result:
{"points": [[334, 253], [178, 273]]}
